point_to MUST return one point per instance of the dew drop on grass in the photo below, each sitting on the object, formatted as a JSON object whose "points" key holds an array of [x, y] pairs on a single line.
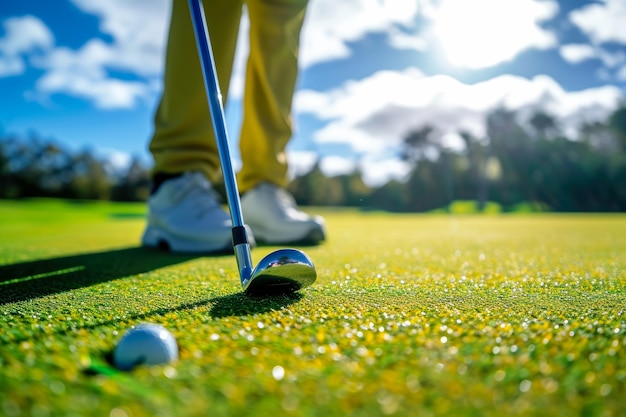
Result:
{"points": [[118, 412], [169, 372], [278, 372], [525, 385], [361, 351], [462, 369]]}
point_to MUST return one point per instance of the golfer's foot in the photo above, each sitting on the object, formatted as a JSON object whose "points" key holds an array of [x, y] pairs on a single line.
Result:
{"points": [[275, 219], [184, 215]]}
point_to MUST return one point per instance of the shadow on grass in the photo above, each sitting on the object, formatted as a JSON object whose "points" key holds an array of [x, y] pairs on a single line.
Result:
{"points": [[241, 304], [34, 279], [232, 305]]}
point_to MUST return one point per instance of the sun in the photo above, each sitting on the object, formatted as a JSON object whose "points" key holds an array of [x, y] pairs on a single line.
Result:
{"points": [[484, 33]]}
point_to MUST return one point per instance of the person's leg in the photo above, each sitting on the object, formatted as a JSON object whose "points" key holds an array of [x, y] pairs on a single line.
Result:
{"points": [[183, 137], [266, 129], [270, 82], [184, 213]]}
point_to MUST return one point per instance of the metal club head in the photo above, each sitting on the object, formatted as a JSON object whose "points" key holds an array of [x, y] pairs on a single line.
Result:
{"points": [[281, 272]]}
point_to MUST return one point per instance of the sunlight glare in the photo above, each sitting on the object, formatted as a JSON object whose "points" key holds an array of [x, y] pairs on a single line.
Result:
{"points": [[484, 33]]}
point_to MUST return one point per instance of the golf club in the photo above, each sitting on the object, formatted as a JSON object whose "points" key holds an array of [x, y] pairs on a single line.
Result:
{"points": [[282, 271]]}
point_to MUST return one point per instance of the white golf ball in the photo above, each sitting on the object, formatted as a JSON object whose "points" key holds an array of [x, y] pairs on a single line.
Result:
{"points": [[145, 344]]}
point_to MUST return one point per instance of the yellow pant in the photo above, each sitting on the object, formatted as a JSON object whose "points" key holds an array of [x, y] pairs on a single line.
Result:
{"points": [[183, 139]]}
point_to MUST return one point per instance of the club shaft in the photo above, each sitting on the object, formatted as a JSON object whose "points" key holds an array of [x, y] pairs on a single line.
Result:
{"points": [[214, 98]]}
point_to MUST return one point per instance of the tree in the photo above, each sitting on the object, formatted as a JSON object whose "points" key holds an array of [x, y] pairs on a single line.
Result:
{"points": [[617, 124], [393, 196], [133, 184], [315, 189], [89, 179], [417, 143], [544, 125], [513, 148], [478, 155]]}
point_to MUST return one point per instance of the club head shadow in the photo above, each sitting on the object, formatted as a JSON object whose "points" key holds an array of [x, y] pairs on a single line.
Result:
{"points": [[281, 272]]}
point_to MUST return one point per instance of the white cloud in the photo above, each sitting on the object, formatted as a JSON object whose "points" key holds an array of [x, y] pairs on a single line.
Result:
{"points": [[485, 33], [401, 40], [378, 171], [11, 65], [373, 115], [576, 53], [602, 22], [138, 31], [23, 35], [621, 74], [83, 74], [301, 162], [611, 59], [334, 165], [578, 107], [105, 93], [331, 25], [117, 161]]}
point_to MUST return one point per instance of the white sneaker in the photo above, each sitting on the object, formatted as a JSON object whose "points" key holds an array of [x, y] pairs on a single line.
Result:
{"points": [[275, 219], [184, 215]]}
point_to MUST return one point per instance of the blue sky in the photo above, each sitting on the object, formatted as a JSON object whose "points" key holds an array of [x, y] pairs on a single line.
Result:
{"points": [[88, 73]]}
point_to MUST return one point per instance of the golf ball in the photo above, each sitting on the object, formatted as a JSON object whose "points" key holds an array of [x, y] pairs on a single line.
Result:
{"points": [[145, 344]]}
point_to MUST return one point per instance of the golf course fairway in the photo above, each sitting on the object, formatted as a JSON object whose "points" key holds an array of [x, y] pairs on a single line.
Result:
{"points": [[411, 314]]}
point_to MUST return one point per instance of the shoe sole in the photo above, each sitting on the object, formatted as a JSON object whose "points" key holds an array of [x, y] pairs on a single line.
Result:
{"points": [[160, 239], [313, 238]]}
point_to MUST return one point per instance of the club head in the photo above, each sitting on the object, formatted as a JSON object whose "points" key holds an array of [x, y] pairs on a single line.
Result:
{"points": [[280, 272]]}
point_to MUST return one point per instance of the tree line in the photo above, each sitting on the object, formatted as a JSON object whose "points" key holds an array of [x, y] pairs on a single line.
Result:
{"points": [[37, 167], [529, 162], [519, 162]]}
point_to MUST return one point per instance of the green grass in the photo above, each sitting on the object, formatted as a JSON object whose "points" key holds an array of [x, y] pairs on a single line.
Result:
{"points": [[469, 315]]}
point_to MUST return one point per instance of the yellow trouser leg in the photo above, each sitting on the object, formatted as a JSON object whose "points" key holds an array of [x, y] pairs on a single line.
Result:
{"points": [[270, 82], [183, 139]]}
